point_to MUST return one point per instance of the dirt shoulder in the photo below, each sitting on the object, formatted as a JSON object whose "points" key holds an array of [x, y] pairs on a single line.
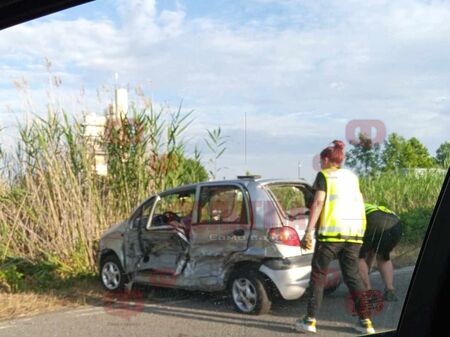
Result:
{"points": [[31, 303]]}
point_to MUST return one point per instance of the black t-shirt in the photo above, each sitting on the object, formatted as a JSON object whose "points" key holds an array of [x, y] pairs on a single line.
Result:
{"points": [[320, 184]]}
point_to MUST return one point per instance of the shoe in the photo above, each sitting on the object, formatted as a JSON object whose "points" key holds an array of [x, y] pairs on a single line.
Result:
{"points": [[365, 326], [389, 296], [306, 324]]}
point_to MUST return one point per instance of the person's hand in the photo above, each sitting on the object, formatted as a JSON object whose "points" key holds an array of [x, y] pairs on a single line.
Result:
{"points": [[307, 242]]}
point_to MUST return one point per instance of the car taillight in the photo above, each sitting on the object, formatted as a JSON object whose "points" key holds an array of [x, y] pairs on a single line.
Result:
{"points": [[284, 235]]}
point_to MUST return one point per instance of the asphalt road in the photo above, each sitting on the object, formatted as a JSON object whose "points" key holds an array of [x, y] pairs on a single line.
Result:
{"points": [[186, 314]]}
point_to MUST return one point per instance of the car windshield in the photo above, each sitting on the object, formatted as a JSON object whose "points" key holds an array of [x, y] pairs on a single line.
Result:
{"points": [[278, 135]]}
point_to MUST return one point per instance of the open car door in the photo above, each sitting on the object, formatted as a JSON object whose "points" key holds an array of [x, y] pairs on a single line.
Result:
{"points": [[164, 239]]}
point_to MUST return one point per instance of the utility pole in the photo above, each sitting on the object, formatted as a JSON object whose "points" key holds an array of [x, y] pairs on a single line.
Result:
{"points": [[245, 139]]}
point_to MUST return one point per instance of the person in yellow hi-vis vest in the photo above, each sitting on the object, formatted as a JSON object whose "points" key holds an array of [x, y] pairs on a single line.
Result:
{"points": [[338, 207], [384, 231]]}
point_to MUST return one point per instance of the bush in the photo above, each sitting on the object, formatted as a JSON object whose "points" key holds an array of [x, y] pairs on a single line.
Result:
{"points": [[411, 196], [20, 274], [415, 223], [11, 280]]}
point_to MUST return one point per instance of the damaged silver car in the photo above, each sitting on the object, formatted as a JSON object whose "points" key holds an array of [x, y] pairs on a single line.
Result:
{"points": [[239, 235]]}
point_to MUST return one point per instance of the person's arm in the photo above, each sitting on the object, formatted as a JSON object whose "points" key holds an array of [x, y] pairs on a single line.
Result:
{"points": [[316, 209], [320, 186]]}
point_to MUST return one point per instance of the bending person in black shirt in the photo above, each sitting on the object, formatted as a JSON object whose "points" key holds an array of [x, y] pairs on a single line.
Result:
{"points": [[383, 232]]}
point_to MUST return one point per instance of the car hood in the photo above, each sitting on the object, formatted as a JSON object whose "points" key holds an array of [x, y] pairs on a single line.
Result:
{"points": [[117, 228]]}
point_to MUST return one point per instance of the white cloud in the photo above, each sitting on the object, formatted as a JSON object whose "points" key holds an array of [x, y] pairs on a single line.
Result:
{"points": [[300, 72]]}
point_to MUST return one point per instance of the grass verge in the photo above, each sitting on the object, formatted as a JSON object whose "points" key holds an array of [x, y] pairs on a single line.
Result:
{"points": [[28, 303]]}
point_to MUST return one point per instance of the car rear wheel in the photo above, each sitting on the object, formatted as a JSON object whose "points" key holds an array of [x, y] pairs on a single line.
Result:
{"points": [[112, 275], [250, 293]]}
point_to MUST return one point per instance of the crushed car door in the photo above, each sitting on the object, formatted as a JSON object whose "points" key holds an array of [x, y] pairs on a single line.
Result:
{"points": [[165, 239], [223, 222]]}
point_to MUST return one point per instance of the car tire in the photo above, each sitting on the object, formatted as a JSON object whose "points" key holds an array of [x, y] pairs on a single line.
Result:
{"points": [[112, 275], [249, 293]]}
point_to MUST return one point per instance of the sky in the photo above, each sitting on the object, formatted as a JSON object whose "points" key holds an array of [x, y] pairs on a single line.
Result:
{"points": [[300, 71]]}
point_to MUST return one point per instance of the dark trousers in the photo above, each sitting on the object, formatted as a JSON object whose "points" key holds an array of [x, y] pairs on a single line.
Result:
{"points": [[348, 254]]}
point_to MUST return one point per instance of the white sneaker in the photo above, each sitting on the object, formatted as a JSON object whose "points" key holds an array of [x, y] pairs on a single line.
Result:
{"points": [[365, 326], [306, 324]]}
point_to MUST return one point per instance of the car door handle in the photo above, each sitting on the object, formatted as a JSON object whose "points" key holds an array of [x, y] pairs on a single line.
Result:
{"points": [[239, 232]]}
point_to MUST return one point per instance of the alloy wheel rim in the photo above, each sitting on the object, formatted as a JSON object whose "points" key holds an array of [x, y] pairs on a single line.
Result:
{"points": [[244, 294], [111, 275]]}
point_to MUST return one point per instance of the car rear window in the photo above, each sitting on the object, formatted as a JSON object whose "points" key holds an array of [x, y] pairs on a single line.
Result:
{"points": [[293, 200]]}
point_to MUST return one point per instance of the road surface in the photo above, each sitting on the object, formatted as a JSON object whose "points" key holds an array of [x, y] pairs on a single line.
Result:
{"points": [[188, 314]]}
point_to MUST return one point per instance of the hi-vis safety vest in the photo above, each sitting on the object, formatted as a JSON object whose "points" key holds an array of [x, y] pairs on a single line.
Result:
{"points": [[372, 208], [343, 218]]}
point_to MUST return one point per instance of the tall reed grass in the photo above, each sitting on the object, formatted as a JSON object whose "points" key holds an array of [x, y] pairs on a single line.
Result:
{"points": [[412, 196], [53, 205]]}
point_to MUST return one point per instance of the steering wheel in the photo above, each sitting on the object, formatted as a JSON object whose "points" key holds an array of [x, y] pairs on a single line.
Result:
{"points": [[169, 216]]}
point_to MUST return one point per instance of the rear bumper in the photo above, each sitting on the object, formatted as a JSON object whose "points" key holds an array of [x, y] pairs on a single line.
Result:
{"points": [[291, 275], [291, 282]]}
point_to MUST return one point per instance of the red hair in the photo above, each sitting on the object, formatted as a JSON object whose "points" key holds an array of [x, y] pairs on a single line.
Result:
{"points": [[335, 153]]}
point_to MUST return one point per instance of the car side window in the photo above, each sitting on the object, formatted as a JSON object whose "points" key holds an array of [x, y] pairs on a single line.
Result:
{"points": [[174, 209], [140, 217], [222, 204]]}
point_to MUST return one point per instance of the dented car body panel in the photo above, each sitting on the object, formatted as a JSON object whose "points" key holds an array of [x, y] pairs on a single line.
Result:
{"points": [[194, 237]]}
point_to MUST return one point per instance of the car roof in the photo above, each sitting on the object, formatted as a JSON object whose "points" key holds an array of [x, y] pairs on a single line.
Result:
{"points": [[241, 181]]}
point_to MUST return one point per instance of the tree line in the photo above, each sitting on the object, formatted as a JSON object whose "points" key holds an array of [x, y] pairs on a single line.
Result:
{"points": [[367, 157]]}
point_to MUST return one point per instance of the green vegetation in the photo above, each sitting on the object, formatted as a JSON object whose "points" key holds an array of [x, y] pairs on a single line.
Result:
{"points": [[411, 196], [443, 155], [19, 274], [401, 153], [53, 205], [216, 144], [389, 178], [366, 157]]}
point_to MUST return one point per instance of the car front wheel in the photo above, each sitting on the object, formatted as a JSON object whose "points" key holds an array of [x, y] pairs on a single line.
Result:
{"points": [[111, 274], [249, 293]]}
